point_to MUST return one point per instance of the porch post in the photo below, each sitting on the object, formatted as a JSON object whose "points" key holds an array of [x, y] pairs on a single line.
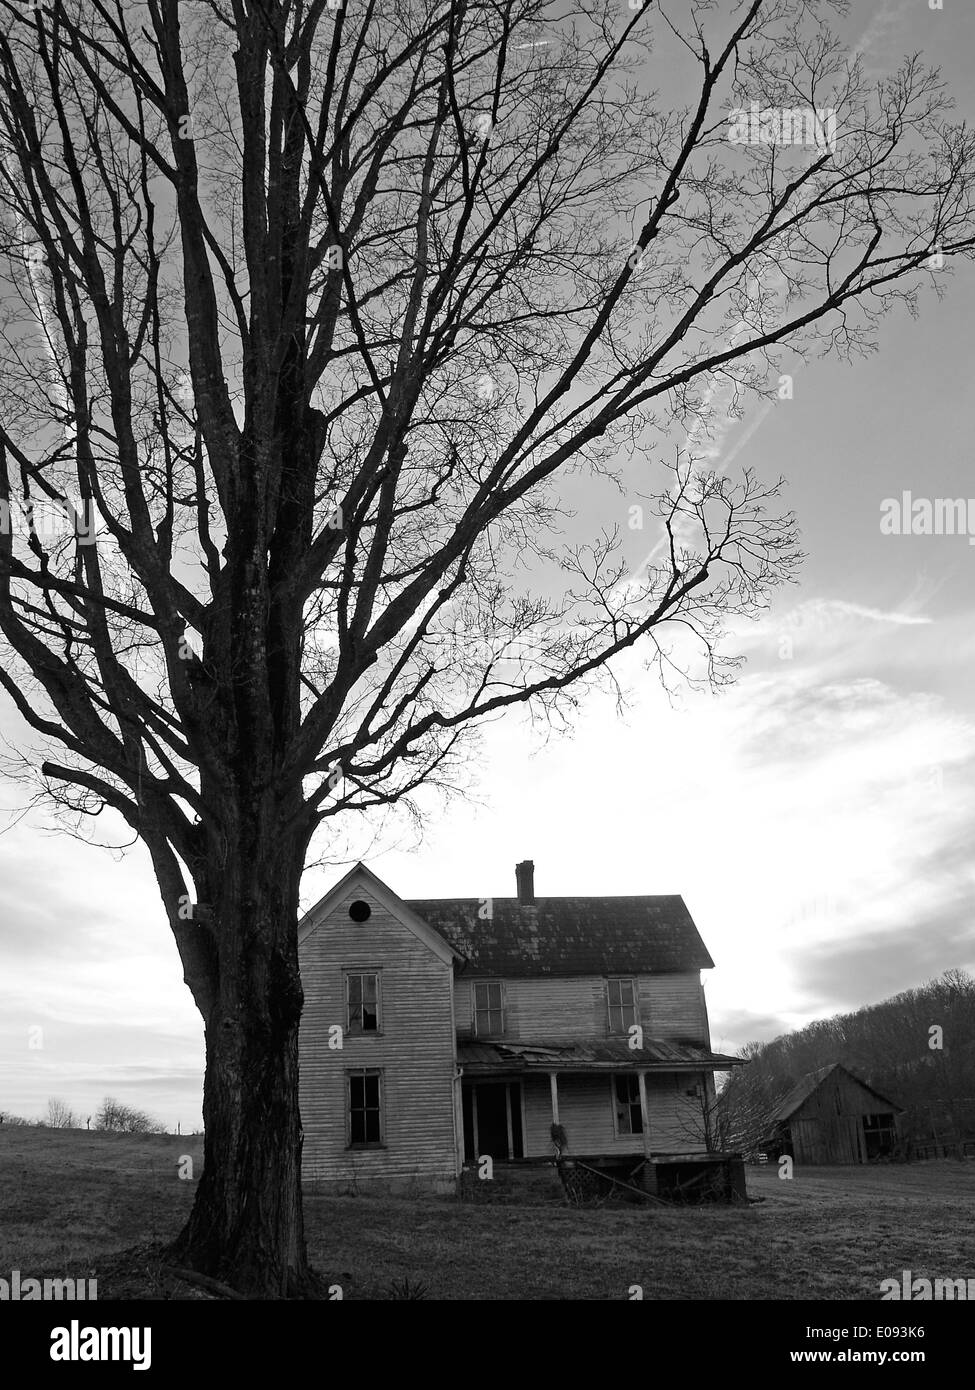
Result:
{"points": [[641, 1077], [554, 1084], [458, 1119]]}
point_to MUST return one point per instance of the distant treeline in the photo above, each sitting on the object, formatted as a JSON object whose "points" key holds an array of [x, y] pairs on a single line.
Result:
{"points": [[112, 1115], [917, 1048]]}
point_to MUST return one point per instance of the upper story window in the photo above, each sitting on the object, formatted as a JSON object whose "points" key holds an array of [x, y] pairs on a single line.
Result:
{"points": [[362, 1001], [621, 998], [488, 1008]]}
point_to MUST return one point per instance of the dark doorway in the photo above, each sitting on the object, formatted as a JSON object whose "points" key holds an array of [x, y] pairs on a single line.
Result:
{"points": [[492, 1121], [880, 1134]]}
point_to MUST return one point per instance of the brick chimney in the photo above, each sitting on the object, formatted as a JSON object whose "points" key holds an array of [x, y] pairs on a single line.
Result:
{"points": [[525, 878]]}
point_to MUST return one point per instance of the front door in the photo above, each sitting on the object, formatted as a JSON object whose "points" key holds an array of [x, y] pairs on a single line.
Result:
{"points": [[492, 1121]]}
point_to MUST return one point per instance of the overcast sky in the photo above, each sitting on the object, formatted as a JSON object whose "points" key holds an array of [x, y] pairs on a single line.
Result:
{"points": [[819, 818]]}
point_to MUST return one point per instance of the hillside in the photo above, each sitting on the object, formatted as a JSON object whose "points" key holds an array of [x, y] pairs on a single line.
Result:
{"points": [[917, 1047]]}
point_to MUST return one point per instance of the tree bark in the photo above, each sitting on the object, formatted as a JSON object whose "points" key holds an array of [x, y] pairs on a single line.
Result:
{"points": [[246, 1226]]}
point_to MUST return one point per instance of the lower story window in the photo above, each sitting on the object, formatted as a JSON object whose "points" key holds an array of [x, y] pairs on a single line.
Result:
{"points": [[365, 1107], [629, 1116]]}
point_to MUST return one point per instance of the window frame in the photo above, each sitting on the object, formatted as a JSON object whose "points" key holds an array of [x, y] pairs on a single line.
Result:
{"points": [[634, 1004], [630, 1104], [348, 972], [380, 1108], [500, 1009]]}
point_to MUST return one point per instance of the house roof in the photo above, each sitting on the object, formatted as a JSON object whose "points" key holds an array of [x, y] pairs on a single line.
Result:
{"points": [[800, 1093], [568, 936], [589, 1054]]}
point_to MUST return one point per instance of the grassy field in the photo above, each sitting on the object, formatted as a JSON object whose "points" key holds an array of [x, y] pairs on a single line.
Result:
{"points": [[70, 1200]]}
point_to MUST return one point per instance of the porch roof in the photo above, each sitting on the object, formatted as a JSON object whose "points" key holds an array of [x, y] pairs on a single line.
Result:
{"points": [[590, 1054]]}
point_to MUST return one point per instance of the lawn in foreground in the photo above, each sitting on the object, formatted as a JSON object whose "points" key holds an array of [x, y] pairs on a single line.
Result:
{"points": [[70, 1199]]}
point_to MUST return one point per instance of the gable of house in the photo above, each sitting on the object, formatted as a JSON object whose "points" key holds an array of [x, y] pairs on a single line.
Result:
{"points": [[377, 1042]]}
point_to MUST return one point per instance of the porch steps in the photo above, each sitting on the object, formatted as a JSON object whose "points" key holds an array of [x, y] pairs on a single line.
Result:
{"points": [[529, 1184]]}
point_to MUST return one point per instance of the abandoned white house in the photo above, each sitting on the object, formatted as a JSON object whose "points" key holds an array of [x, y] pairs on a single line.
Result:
{"points": [[439, 1031]]}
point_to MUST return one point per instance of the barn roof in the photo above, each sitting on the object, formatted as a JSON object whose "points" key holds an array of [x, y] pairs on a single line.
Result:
{"points": [[800, 1093], [568, 936], [589, 1054]]}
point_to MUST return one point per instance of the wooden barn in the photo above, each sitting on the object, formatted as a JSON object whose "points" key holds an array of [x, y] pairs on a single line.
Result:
{"points": [[834, 1117]]}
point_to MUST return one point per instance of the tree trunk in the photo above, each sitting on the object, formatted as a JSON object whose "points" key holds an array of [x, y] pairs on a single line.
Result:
{"points": [[246, 1227]]}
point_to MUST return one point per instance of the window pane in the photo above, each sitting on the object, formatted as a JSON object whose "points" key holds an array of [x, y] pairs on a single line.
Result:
{"points": [[621, 999], [629, 1117], [488, 1008], [623, 1118], [363, 991], [365, 1113], [354, 987]]}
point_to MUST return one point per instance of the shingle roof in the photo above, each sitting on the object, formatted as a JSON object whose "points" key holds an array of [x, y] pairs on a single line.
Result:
{"points": [[568, 936], [801, 1092], [587, 1053]]}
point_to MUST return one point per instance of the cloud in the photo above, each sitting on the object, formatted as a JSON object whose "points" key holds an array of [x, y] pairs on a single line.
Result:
{"points": [[847, 974], [739, 1026]]}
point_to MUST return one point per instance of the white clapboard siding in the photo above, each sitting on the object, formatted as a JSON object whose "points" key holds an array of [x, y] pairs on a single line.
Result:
{"points": [[676, 1118], [567, 1007], [415, 1050], [672, 1006], [586, 1113]]}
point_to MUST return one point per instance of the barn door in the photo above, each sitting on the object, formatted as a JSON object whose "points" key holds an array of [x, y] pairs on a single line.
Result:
{"points": [[880, 1135]]}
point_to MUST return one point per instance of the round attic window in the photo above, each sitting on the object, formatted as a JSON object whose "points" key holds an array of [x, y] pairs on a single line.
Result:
{"points": [[360, 911]]}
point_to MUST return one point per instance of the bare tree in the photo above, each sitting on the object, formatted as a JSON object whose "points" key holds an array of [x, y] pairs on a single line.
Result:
{"points": [[309, 312], [59, 1115], [125, 1119], [739, 1118]]}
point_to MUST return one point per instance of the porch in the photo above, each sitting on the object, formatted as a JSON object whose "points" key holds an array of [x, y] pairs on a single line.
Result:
{"points": [[603, 1098]]}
